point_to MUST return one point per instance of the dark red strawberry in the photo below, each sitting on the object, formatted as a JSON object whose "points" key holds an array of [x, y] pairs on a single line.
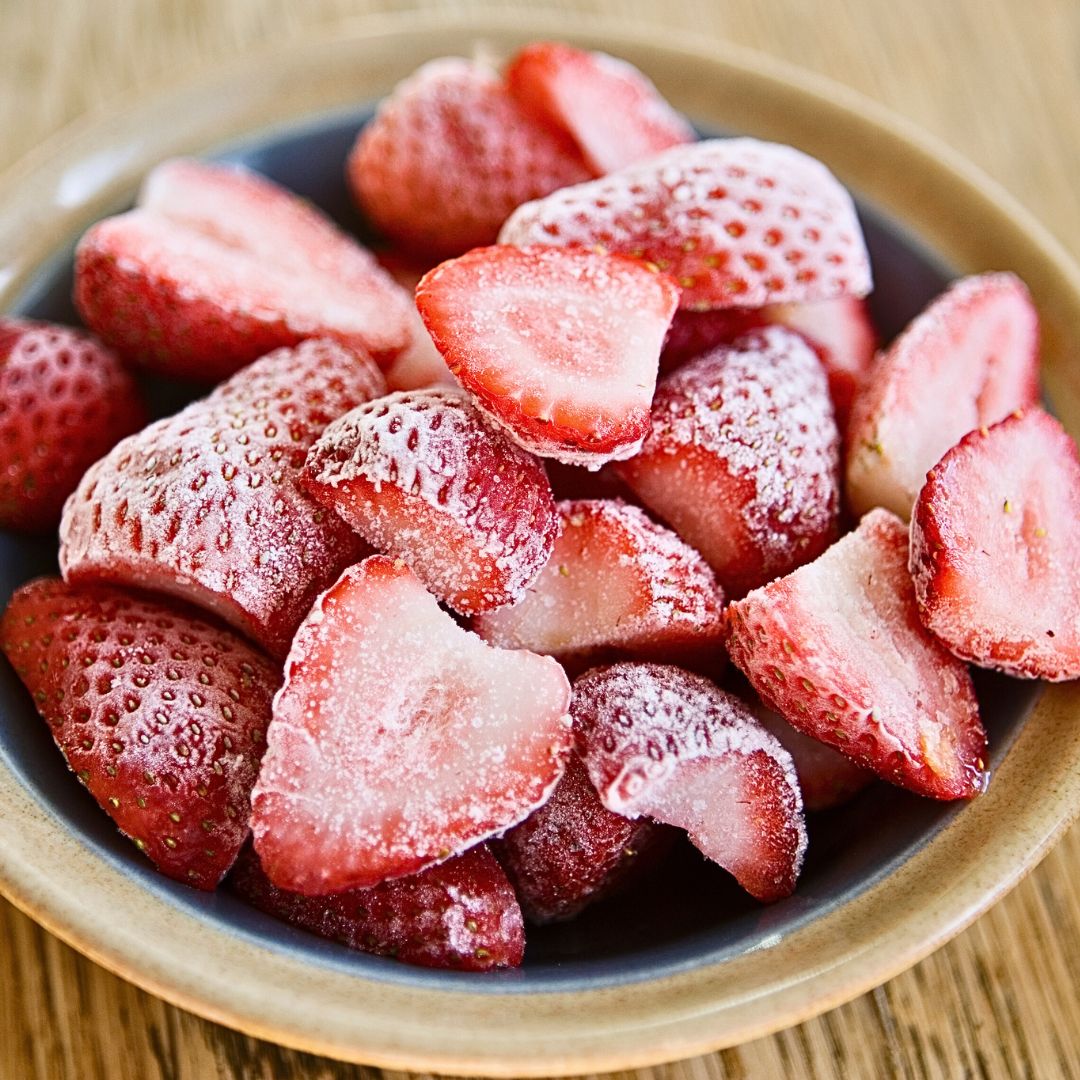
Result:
{"points": [[162, 716]]}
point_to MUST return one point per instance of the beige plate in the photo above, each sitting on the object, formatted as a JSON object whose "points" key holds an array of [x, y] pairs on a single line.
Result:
{"points": [[92, 167]]}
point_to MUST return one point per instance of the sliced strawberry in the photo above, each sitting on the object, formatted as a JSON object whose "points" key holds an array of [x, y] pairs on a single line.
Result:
{"points": [[216, 267], [966, 362], [560, 346], [424, 477], [449, 154], [838, 649], [737, 222], [743, 459], [162, 716], [461, 914], [399, 739], [207, 504], [617, 584], [64, 401], [995, 548], [614, 113], [661, 742]]}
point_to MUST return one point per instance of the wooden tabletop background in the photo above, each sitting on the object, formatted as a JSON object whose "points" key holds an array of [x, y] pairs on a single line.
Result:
{"points": [[1000, 81]]}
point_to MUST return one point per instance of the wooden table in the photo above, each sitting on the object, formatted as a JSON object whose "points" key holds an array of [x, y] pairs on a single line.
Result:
{"points": [[1000, 81]]}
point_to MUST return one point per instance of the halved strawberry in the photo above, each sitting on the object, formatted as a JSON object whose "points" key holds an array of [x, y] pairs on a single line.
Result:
{"points": [[207, 504], [838, 649], [217, 266], [162, 716], [399, 739], [743, 458], [612, 111], [737, 222], [461, 914], [995, 548], [661, 742], [967, 361], [617, 584], [559, 346], [424, 477]]}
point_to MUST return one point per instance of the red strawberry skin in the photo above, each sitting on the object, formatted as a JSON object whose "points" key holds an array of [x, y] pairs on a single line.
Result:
{"points": [[64, 401], [162, 716], [460, 915]]}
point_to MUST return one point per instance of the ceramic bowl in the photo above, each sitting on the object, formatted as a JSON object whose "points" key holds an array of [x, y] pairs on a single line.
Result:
{"points": [[686, 965]]}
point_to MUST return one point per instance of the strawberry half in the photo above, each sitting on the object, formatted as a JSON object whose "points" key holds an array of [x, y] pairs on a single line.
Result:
{"points": [[737, 222], [838, 649], [661, 742], [967, 361], [399, 739], [995, 548], [162, 716], [207, 504], [559, 346], [217, 266]]}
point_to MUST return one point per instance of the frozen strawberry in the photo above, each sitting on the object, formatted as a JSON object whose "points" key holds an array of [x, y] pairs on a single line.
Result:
{"points": [[64, 401], [737, 222], [967, 361], [207, 504], [617, 584], [743, 459], [660, 742], [399, 739], [449, 154], [995, 548], [461, 914], [217, 266], [424, 477], [614, 113], [559, 346], [162, 716], [838, 649]]}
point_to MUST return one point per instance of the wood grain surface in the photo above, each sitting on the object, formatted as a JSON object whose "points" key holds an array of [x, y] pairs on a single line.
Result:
{"points": [[1000, 82]]}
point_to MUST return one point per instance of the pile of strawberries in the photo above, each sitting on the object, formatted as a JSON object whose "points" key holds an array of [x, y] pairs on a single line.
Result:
{"points": [[434, 602]]}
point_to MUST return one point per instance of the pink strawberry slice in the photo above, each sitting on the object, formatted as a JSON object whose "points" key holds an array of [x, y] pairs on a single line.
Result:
{"points": [[838, 649], [660, 742], [995, 548], [424, 477], [207, 505], [559, 346], [737, 222], [612, 111], [162, 716], [966, 362], [217, 266], [461, 914], [399, 739]]}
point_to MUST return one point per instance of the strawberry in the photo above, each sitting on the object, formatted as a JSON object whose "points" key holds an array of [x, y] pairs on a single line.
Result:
{"points": [[207, 504], [559, 346], [461, 914], [617, 584], [399, 739], [449, 154], [613, 112], [217, 266], [737, 222], [995, 548], [162, 716], [967, 361], [661, 742], [838, 649], [743, 459], [424, 477], [64, 401]]}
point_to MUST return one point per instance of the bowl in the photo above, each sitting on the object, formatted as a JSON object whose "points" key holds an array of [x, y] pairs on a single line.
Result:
{"points": [[688, 964]]}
